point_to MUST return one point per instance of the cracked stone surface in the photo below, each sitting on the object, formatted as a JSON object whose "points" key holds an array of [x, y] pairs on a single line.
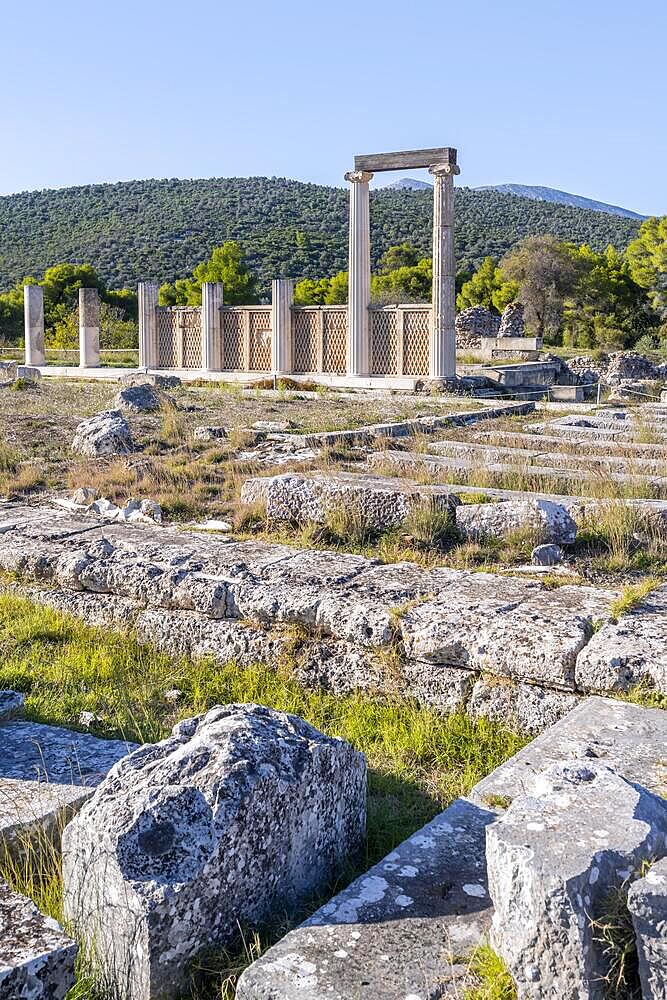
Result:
{"points": [[36, 957], [647, 902], [241, 811], [46, 774], [105, 433], [404, 928], [578, 833], [550, 521], [379, 501]]}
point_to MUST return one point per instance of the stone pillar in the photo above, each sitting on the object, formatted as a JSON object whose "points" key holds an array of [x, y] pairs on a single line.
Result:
{"points": [[148, 352], [359, 294], [89, 328], [33, 310], [442, 346], [211, 325], [282, 296]]}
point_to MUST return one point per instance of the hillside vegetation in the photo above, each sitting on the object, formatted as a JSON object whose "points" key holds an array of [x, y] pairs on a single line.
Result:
{"points": [[160, 229]]}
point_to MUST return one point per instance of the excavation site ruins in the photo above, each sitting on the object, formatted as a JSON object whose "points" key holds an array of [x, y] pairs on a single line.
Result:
{"points": [[334, 651]]}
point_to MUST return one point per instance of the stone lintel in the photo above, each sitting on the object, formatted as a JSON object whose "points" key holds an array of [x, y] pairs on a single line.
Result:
{"points": [[406, 160]]}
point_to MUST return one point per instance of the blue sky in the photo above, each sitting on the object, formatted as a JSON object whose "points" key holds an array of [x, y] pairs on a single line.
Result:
{"points": [[570, 95]]}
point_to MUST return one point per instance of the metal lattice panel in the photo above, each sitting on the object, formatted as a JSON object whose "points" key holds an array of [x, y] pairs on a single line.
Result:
{"points": [[188, 320], [232, 341], [384, 342], [166, 338], [260, 340], [334, 348], [304, 340], [416, 332]]}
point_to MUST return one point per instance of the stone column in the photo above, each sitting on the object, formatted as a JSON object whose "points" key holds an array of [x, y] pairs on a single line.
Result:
{"points": [[282, 296], [359, 294], [148, 352], [89, 328], [33, 310], [211, 325], [442, 346]]}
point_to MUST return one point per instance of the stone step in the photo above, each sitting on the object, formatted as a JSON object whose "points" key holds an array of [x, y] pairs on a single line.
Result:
{"points": [[440, 465], [405, 428], [537, 442], [46, 774], [380, 502], [406, 927], [529, 456]]}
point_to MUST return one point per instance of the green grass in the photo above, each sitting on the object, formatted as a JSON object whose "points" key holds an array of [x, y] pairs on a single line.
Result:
{"points": [[494, 982], [419, 761], [633, 595]]}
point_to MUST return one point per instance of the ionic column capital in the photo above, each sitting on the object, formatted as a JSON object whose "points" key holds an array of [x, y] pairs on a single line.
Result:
{"points": [[358, 176], [444, 169]]}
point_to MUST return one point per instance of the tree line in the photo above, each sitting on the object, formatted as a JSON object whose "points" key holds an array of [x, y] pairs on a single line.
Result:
{"points": [[160, 230], [572, 294]]}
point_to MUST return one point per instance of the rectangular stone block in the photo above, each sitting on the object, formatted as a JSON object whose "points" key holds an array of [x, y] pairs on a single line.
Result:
{"points": [[36, 957], [647, 902]]}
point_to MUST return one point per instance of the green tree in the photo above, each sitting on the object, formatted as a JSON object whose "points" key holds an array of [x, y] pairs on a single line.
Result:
{"points": [[401, 255], [487, 288], [404, 284], [604, 307], [545, 272], [311, 291], [647, 259], [226, 264], [337, 290]]}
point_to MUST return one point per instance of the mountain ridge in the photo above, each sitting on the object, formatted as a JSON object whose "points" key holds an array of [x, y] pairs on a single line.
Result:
{"points": [[160, 229]]}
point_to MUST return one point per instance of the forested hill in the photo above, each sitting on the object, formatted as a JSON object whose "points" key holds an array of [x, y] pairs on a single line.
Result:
{"points": [[159, 229]]}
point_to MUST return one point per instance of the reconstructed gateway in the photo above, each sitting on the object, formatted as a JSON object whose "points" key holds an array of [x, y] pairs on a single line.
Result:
{"points": [[357, 344]]}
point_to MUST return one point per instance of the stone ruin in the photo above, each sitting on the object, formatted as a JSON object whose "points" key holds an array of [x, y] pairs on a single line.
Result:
{"points": [[246, 811]]}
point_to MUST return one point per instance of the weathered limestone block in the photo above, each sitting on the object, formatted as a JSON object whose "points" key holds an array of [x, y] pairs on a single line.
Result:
{"points": [[528, 707], [549, 520], [547, 555], [36, 957], [553, 858], [28, 373], [396, 931], [378, 502], [207, 432], [46, 773], [239, 811], [141, 398], [647, 902], [11, 705], [522, 631], [8, 371], [629, 651], [105, 433], [512, 322]]}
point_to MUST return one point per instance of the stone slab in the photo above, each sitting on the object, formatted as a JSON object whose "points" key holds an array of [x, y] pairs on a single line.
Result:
{"points": [[46, 774], [380, 502], [403, 929], [527, 457], [36, 957], [460, 464], [647, 902]]}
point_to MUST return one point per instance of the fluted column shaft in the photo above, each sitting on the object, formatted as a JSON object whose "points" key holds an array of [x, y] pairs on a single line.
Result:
{"points": [[148, 348], [282, 296], [33, 311], [359, 270], [211, 325], [89, 328], [442, 346]]}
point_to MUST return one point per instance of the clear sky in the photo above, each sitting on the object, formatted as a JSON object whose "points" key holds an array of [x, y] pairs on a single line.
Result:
{"points": [[569, 94]]}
